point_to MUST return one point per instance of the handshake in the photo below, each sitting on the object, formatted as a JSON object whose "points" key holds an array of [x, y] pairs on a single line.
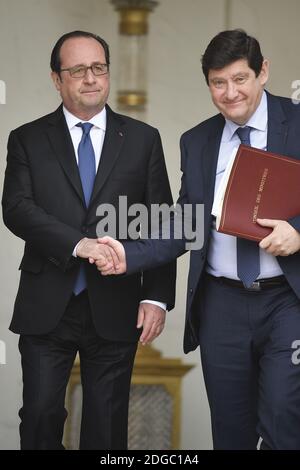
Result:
{"points": [[106, 253]]}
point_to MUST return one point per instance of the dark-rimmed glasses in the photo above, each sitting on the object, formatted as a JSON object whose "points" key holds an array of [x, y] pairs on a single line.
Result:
{"points": [[79, 71]]}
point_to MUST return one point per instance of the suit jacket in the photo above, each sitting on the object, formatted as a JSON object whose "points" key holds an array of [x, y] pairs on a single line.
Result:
{"points": [[199, 155], [43, 204]]}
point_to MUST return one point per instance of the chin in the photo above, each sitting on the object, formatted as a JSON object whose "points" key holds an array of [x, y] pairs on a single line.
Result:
{"points": [[238, 118], [91, 103]]}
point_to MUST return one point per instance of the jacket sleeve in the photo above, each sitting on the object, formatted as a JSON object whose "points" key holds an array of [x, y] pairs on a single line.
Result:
{"points": [[295, 222], [46, 234]]}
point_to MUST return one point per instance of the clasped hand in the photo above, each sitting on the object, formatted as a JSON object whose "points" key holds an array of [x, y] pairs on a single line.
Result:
{"points": [[106, 253]]}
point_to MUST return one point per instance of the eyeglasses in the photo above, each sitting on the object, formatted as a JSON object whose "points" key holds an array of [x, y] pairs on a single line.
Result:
{"points": [[79, 71]]}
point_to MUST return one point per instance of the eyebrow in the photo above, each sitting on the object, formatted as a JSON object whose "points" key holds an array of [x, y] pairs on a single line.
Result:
{"points": [[245, 74], [97, 62], [236, 75]]}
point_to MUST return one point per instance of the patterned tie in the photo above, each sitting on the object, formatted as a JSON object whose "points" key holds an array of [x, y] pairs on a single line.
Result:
{"points": [[87, 170], [248, 265]]}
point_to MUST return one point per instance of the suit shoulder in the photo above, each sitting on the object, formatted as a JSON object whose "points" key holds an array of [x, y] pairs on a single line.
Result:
{"points": [[204, 128], [136, 125], [33, 125], [291, 107]]}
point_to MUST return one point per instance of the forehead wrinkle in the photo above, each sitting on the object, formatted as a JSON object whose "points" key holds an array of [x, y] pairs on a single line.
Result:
{"points": [[236, 74]]}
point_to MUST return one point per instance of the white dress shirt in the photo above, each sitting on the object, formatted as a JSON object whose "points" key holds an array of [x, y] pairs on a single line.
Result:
{"points": [[97, 132]]}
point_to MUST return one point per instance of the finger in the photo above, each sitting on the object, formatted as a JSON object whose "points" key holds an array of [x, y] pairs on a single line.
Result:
{"points": [[106, 254], [102, 262], [266, 242], [268, 248], [158, 331], [151, 335], [141, 317], [148, 332], [267, 222], [273, 250], [104, 240], [145, 332], [115, 258], [107, 272]]}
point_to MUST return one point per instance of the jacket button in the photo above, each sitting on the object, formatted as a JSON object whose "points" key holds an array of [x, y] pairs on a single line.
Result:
{"points": [[191, 290]]}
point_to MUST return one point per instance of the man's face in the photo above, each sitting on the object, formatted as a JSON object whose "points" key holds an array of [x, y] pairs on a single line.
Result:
{"points": [[236, 91], [83, 97]]}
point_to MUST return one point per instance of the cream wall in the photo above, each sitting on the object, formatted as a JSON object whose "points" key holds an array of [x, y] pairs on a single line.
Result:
{"points": [[178, 99]]}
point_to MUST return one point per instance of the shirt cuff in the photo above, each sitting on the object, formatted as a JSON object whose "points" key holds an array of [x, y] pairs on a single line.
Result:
{"points": [[154, 302], [75, 250]]}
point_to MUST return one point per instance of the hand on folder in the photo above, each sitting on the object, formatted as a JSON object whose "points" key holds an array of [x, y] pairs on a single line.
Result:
{"points": [[284, 240]]}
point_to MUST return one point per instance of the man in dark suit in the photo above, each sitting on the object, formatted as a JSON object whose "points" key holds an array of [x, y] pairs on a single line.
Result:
{"points": [[60, 169], [243, 304]]}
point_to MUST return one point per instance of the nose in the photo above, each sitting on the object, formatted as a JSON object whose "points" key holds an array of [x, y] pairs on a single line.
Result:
{"points": [[231, 90], [89, 77]]}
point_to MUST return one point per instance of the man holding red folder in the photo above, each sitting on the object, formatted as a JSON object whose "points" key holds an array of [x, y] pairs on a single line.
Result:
{"points": [[243, 306]]}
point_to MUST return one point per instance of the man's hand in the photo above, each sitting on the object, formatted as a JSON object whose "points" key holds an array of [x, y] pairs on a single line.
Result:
{"points": [[152, 319], [284, 240], [118, 249], [102, 254]]}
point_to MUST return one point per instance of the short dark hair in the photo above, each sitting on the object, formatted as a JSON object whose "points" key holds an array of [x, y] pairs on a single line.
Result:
{"points": [[229, 46], [55, 62]]}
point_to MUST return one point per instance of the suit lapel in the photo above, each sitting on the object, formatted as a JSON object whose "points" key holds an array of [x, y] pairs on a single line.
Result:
{"points": [[277, 126], [60, 139], [113, 141]]}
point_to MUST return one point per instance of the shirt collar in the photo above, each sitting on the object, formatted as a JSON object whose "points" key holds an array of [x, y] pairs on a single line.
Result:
{"points": [[257, 121], [99, 120]]}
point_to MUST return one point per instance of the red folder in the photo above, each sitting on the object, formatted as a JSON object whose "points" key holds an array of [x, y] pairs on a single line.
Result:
{"points": [[262, 185]]}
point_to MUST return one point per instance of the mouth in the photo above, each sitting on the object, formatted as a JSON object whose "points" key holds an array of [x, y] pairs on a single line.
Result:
{"points": [[90, 92], [234, 103]]}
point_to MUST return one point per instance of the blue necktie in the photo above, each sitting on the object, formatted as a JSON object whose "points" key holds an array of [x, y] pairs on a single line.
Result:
{"points": [[87, 170], [248, 265]]}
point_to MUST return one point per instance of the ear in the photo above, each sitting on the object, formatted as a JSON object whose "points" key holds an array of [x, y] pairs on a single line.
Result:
{"points": [[264, 73], [56, 80]]}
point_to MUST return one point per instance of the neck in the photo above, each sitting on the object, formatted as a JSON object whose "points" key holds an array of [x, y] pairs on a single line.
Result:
{"points": [[85, 115]]}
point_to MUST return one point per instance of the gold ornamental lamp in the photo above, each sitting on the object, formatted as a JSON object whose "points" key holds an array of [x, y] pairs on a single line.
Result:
{"points": [[133, 55]]}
